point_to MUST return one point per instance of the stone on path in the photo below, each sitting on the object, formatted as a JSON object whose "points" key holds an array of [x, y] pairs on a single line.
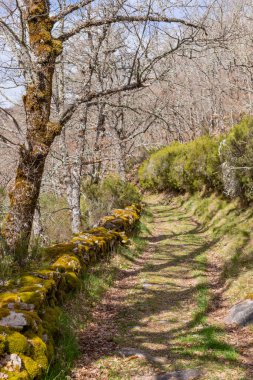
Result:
{"points": [[126, 352], [241, 314]]}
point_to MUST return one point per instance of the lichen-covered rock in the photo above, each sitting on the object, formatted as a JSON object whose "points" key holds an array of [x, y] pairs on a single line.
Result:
{"points": [[14, 319]]}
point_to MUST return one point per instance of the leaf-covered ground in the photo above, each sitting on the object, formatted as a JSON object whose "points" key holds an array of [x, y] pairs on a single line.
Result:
{"points": [[165, 312]]}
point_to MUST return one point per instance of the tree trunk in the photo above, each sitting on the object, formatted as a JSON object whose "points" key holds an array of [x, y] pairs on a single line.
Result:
{"points": [[73, 172], [75, 197], [40, 131], [38, 231], [121, 160], [73, 186]]}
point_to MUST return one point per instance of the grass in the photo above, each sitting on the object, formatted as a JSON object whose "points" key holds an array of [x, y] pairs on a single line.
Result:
{"points": [[203, 340], [67, 350]]}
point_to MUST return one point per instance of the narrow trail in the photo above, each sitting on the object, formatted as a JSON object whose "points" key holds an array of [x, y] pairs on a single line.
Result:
{"points": [[152, 323]]}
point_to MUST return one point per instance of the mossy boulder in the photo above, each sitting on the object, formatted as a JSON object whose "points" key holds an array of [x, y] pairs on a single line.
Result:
{"points": [[16, 343], [38, 351], [31, 366]]}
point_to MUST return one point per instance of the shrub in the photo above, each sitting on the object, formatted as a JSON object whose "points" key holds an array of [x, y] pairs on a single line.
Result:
{"points": [[153, 173], [183, 167], [237, 151], [108, 194]]}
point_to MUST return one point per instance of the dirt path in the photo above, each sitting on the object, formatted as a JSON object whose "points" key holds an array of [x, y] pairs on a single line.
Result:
{"points": [[153, 321]]}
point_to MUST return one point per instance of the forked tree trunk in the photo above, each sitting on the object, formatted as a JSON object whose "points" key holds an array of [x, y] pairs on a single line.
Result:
{"points": [[40, 131]]}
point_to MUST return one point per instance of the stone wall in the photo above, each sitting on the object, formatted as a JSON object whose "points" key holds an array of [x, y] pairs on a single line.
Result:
{"points": [[29, 305]]}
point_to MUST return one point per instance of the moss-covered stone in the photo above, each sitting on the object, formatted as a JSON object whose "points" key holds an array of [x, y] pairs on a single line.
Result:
{"points": [[50, 319], [67, 263], [16, 343], [38, 351], [34, 298], [23, 375], [72, 281], [2, 344], [31, 366], [8, 297], [58, 249]]}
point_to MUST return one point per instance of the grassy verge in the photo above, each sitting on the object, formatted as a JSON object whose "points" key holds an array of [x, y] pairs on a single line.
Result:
{"points": [[76, 313]]}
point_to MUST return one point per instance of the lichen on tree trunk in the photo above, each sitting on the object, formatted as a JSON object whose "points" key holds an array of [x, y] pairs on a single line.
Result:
{"points": [[40, 130]]}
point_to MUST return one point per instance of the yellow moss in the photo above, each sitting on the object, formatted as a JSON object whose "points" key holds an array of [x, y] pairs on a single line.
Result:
{"points": [[43, 37], [23, 375], [67, 263], [38, 351], [50, 319], [72, 281], [37, 291], [4, 313], [35, 297], [57, 46], [44, 49], [37, 9], [53, 129], [28, 280], [17, 343], [31, 366], [58, 249], [2, 344], [7, 297]]}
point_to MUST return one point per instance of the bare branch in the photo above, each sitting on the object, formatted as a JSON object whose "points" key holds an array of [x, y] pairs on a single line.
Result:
{"points": [[70, 9], [14, 120], [67, 114], [12, 34], [117, 19]]}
